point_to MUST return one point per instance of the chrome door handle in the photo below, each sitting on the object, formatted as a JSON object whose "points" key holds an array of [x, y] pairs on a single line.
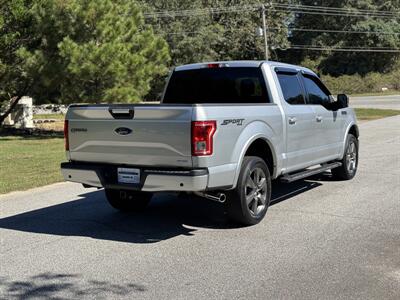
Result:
{"points": [[292, 120], [319, 119]]}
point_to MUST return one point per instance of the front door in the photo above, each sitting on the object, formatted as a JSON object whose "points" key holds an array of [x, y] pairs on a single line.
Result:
{"points": [[299, 118], [328, 123]]}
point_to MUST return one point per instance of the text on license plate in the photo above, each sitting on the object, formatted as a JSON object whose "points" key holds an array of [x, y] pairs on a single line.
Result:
{"points": [[128, 175]]}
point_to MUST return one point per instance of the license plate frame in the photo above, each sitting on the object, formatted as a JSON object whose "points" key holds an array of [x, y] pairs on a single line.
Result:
{"points": [[128, 175]]}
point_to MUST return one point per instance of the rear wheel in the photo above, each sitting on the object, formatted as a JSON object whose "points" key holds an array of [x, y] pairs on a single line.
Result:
{"points": [[248, 202], [128, 200], [349, 161]]}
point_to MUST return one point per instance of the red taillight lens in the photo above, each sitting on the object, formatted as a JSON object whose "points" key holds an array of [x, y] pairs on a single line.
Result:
{"points": [[212, 66], [202, 137], [66, 139]]}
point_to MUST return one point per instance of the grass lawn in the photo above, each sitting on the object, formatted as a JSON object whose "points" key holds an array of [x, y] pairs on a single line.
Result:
{"points": [[28, 162], [367, 114], [49, 116]]}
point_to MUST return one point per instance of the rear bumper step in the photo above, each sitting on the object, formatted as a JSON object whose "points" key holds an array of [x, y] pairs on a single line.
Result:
{"points": [[152, 179], [300, 175]]}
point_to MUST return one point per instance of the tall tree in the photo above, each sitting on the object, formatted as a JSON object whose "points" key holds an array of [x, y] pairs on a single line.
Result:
{"points": [[196, 33], [15, 34], [77, 51], [337, 63]]}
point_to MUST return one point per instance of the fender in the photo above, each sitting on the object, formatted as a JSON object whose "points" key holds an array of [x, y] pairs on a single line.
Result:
{"points": [[351, 124], [246, 138]]}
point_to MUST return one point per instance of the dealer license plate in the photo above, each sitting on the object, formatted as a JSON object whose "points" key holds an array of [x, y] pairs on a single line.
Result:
{"points": [[128, 175]]}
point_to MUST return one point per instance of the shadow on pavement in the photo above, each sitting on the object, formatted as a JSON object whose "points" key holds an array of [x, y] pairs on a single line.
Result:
{"points": [[167, 216], [64, 286]]}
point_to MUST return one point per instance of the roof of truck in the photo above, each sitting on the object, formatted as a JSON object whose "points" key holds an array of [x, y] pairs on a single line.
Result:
{"points": [[241, 63]]}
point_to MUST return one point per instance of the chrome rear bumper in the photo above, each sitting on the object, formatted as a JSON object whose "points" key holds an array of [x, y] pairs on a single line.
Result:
{"points": [[152, 180]]}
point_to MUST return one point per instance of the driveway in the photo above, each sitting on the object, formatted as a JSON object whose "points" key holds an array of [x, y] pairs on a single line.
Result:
{"points": [[382, 102], [321, 239]]}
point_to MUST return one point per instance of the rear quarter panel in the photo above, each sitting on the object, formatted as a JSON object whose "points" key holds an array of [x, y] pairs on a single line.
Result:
{"points": [[232, 138]]}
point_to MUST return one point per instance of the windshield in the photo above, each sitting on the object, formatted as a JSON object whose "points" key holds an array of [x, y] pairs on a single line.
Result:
{"points": [[217, 85]]}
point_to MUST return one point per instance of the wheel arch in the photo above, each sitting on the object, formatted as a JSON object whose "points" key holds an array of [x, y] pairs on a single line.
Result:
{"points": [[352, 128], [261, 146]]}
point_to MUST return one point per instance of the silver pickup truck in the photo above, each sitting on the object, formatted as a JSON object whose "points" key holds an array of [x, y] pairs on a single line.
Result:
{"points": [[223, 131]]}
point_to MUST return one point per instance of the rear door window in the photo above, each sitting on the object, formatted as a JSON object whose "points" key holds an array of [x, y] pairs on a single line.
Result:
{"points": [[291, 88], [217, 85]]}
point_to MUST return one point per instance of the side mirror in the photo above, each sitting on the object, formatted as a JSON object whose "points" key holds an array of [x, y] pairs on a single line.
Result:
{"points": [[343, 100]]}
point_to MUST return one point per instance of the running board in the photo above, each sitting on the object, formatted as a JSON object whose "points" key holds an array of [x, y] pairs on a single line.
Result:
{"points": [[300, 175]]}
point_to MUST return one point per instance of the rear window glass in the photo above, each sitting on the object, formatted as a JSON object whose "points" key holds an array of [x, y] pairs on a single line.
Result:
{"points": [[291, 88], [216, 85]]}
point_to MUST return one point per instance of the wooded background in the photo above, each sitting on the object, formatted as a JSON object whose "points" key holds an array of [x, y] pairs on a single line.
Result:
{"points": [[121, 50]]}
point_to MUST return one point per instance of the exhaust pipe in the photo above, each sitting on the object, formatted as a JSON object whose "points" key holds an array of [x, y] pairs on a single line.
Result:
{"points": [[220, 197]]}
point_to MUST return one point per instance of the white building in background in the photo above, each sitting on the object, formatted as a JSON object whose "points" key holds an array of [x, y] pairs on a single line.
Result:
{"points": [[22, 116]]}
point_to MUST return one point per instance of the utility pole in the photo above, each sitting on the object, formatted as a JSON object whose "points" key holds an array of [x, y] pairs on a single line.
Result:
{"points": [[265, 29]]}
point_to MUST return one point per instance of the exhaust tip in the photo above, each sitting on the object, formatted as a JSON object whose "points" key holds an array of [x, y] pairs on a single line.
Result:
{"points": [[222, 197]]}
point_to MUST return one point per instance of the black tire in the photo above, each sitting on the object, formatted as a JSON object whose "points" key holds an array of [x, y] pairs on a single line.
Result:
{"points": [[252, 211], [128, 200], [348, 169]]}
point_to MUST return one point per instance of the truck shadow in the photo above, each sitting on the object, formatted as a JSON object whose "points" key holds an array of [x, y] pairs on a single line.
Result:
{"points": [[167, 216]]}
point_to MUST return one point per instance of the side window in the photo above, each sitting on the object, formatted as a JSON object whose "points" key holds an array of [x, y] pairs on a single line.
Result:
{"points": [[317, 93], [291, 88]]}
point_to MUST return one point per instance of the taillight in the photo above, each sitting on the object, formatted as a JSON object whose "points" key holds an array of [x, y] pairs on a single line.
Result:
{"points": [[202, 137], [212, 66], [66, 139], [216, 65]]}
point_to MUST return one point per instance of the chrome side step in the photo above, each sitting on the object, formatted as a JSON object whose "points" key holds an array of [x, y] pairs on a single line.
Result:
{"points": [[309, 172]]}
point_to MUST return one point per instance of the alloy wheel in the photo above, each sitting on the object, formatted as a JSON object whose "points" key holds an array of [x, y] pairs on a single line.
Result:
{"points": [[256, 191]]}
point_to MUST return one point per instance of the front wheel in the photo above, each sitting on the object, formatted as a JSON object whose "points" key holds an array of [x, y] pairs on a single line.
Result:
{"points": [[349, 161], [248, 202], [128, 200]]}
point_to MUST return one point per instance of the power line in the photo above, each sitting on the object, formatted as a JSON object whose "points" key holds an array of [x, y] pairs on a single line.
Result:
{"points": [[333, 14], [343, 31], [300, 9], [297, 9], [347, 49], [338, 9], [298, 29], [257, 7]]}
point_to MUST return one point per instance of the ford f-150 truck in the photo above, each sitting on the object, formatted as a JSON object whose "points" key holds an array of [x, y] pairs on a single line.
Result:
{"points": [[223, 131]]}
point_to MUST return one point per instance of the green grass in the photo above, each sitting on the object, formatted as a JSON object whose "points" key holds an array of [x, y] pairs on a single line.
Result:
{"points": [[48, 116], [29, 162], [368, 114]]}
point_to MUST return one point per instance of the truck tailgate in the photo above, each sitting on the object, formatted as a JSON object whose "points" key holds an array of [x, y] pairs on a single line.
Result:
{"points": [[141, 135]]}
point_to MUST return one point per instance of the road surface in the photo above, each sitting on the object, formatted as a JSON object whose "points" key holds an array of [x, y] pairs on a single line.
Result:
{"points": [[321, 239], [381, 102]]}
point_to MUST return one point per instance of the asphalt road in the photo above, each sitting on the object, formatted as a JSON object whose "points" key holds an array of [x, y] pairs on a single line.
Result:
{"points": [[381, 102], [321, 239]]}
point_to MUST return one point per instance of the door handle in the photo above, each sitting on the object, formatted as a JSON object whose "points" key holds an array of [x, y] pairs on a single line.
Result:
{"points": [[319, 119], [122, 113], [292, 120]]}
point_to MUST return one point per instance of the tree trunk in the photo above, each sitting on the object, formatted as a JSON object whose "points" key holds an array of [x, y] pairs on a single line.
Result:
{"points": [[13, 104]]}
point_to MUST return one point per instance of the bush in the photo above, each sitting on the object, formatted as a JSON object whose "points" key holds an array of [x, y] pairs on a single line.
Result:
{"points": [[356, 84]]}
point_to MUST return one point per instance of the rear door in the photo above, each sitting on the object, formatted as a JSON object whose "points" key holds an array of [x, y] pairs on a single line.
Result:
{"points": [[299, 118], [141, 135]]}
